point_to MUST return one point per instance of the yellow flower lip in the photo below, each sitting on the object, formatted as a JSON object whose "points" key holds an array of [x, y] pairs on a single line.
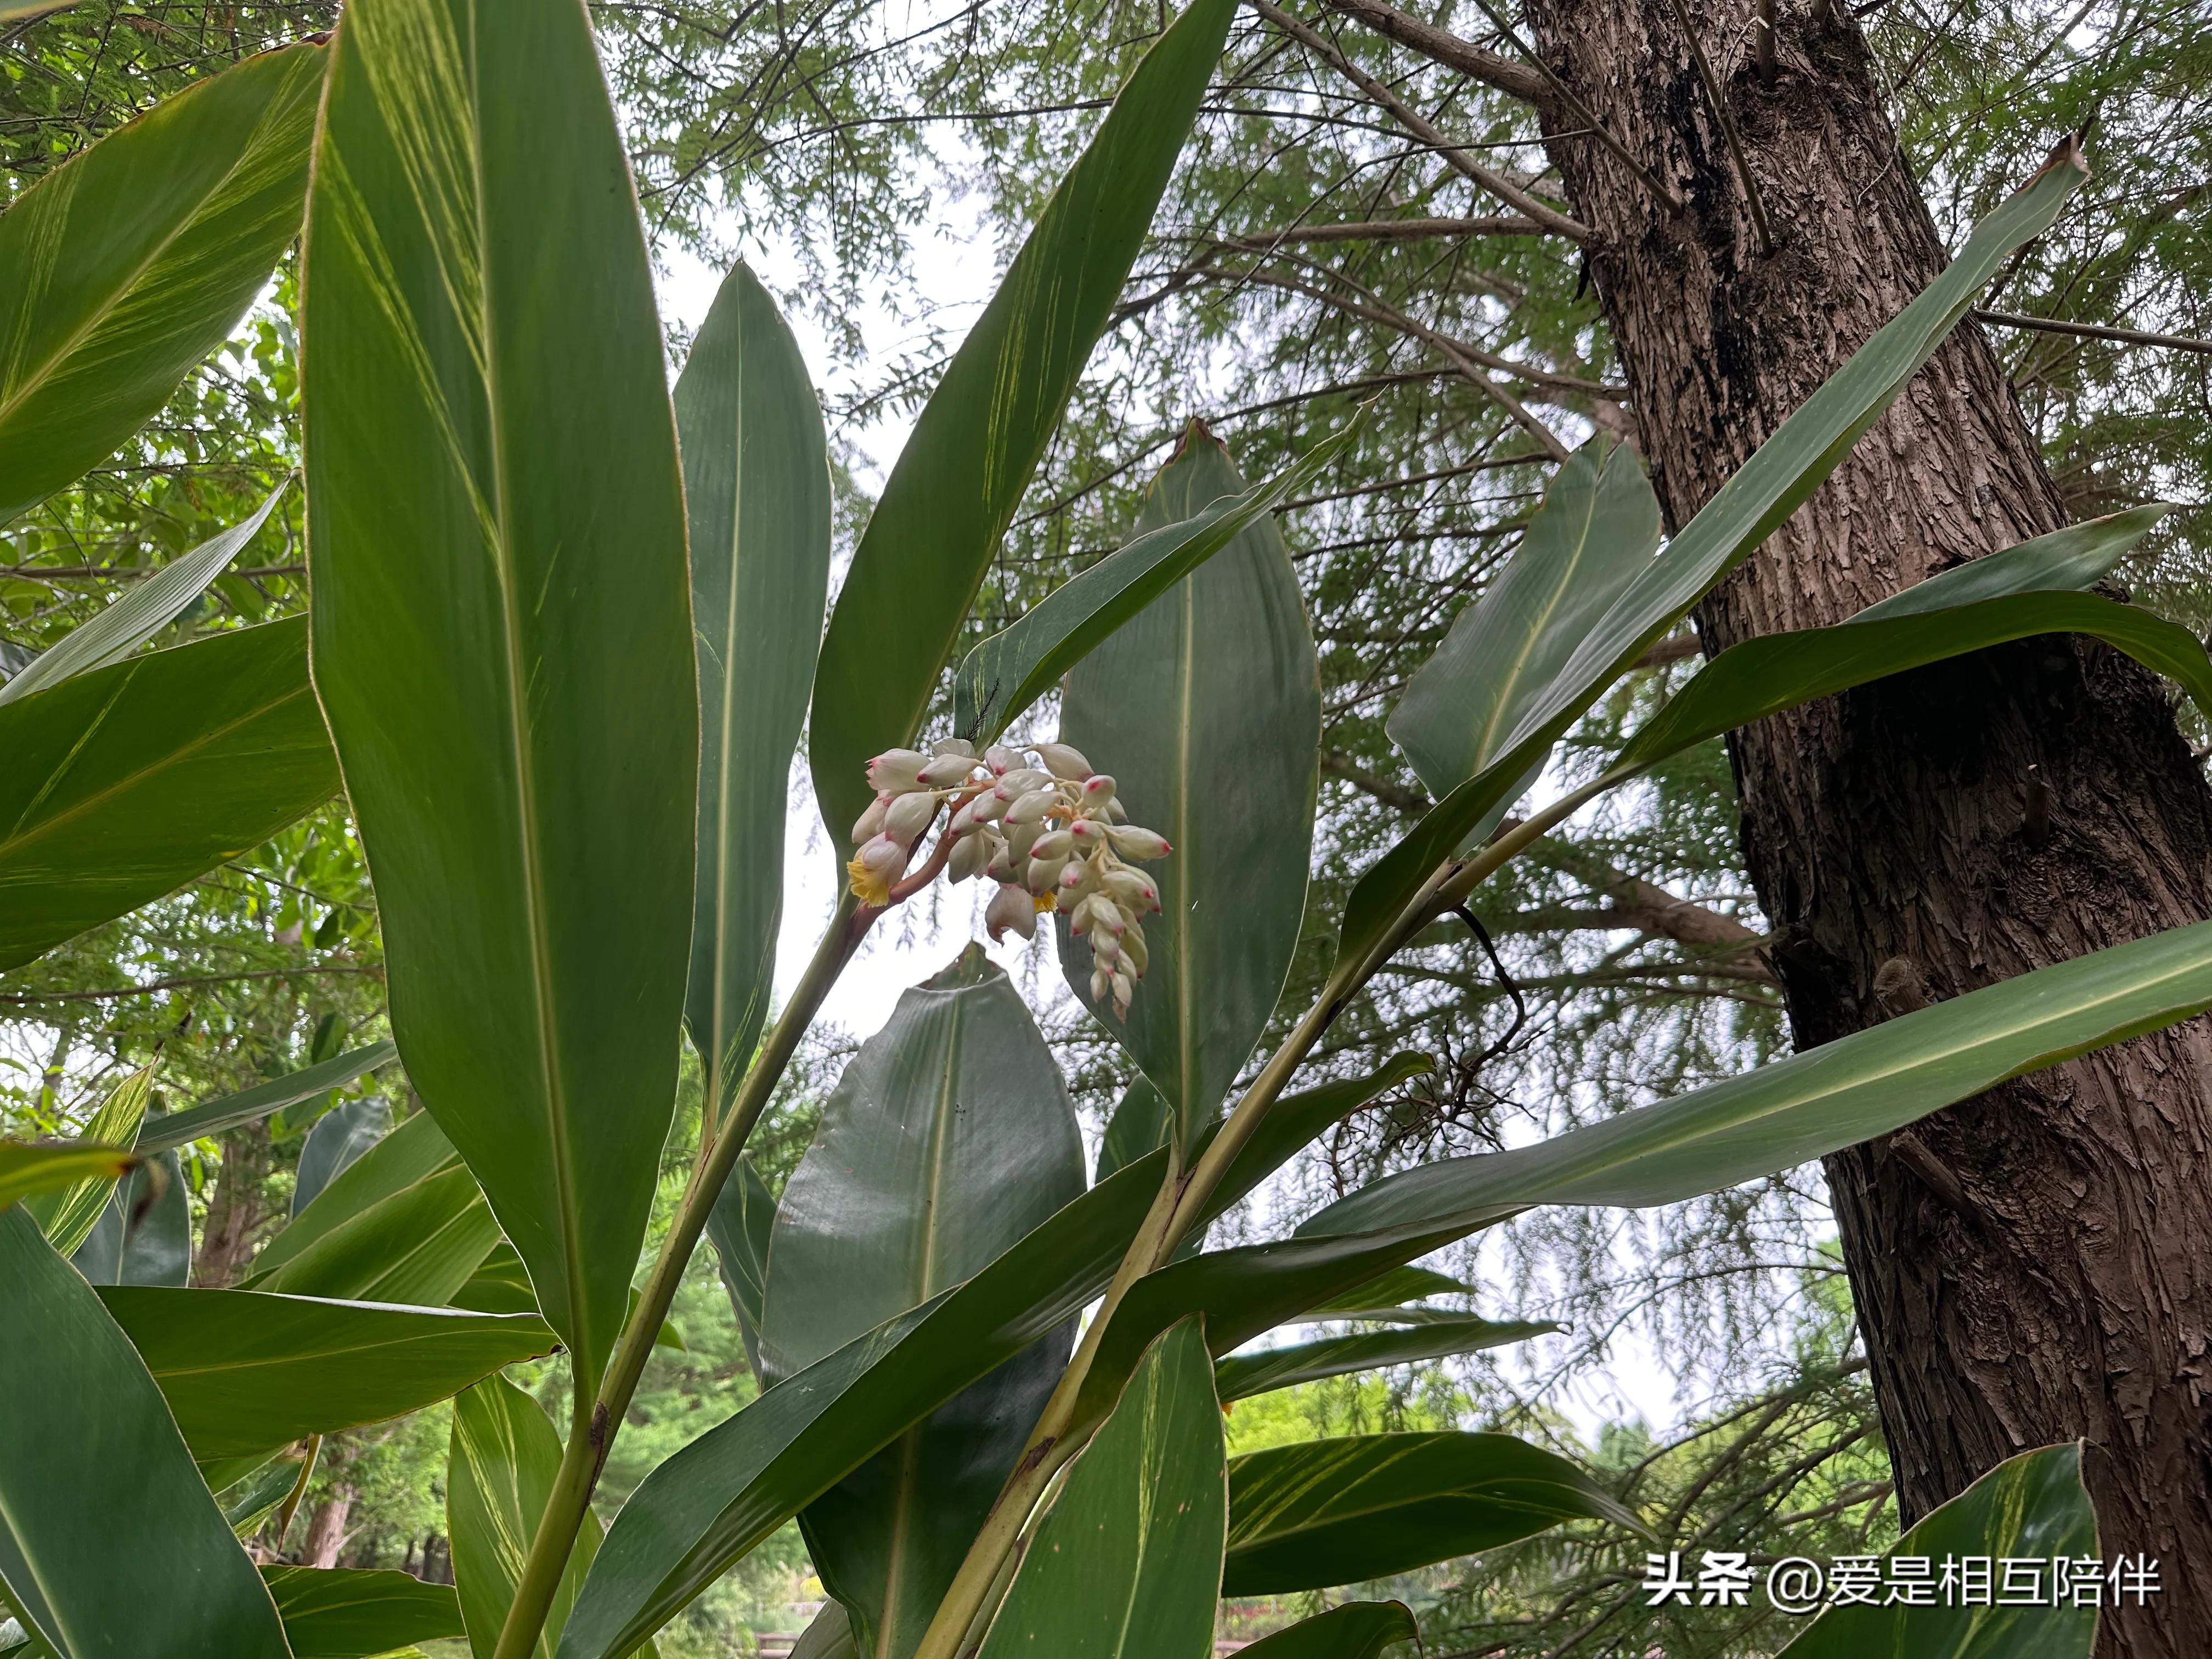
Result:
{"points": [[1044, 902], [868, 886]]}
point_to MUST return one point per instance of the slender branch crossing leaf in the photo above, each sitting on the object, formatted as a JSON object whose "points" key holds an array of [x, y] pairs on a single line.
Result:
{"points": [[212, 1117]]}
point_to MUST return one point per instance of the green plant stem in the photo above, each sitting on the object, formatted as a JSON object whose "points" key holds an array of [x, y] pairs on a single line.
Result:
{"points": [[598, 1420], [291, 1507]]}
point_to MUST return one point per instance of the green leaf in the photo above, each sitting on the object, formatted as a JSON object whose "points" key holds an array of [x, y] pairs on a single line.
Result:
{"points": [[704, 1508], [213, 1116], [501, 1284], [741, 1223], [129, 263], [68, 1214], [247, 1372], [106, 1530], [124, 783], [2073, 558], [1207, 710], [247, 1502], [1596, 531], [756, 486], [1129, 1560], [1765, 490], [949, 1138], [1764, 676], [502, 612], [31, 1167], [340, 1136], [138, 1241], [1000, 678], [829, 1636], [335, 1612], [1242, 1376], [1142, 1123], [1399, 1284], [140, 614], [2028, 1506], [499, 1475], [1795, 1110], [406, 1222], [1326, 1512], [1358, 1630], [953, 491]]}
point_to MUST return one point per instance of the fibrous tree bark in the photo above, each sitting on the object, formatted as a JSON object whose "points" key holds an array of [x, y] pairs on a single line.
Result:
{"points": [[2035, 1264]]}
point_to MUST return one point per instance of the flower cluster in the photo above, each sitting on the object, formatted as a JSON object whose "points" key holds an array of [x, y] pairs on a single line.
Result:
{"points": [[1041, 823]]}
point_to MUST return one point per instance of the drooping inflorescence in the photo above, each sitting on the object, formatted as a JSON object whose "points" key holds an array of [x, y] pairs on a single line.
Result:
{"points": [[1037, 821]]}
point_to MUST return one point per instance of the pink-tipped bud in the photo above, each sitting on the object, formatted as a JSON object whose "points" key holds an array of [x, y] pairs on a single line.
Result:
{"points": [[1063, 761], [969, 854], [1132, 843], [896, 771], [947, 770], [1087, 833], [870, 823], [988, 806], [1135, 952], [1101, 981], [1000, 867], [1053, 844], [1015, 784], [1042, 875], [908, 816], [1002, 760], [883, 855], [1031, 807], [1097, 790], [1135, 890], [959, 746], [1105, 949], [1011, 908], [1125, 991], [962, 820]]}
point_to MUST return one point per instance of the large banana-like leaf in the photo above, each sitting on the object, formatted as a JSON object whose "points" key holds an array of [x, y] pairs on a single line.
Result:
{"points": [[2032, 1507], [124, 783], [107, 1534], [505, 1457], [126, 266], [28, 1168], [2074, 558], [1766, 490], [406, 1222], [140, 614], [1205, 708], [339, 1138], [1358, 1630], [1001, 677], [245, 1372], [953, 491], [704, 1508], [1242, 1376], [949, 1138], [250, 1105], [1597, 529], [338, 1612], [136, 1241], [740, 1224], [1127, 1560], [68, 1213], [756, 486], [1324, 1512], [1141, 1123], [502, 612]]}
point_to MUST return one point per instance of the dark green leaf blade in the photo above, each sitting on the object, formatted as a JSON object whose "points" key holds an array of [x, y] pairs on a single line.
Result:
{"points": [[134, 1242], [213, 1116], [90, 1561], [949, 1138], [502, 612], [124, 783], [28, 1168], [1129, 1560], [1326, 1512], [339, 1138], [1001, 677], [1205, 708], [1765, 490], [2029, 1506], [757, 489], [1358, 1630], [129, 263], [338, 1613], [1242, 1376], [956, 483], [244, 1371], [741, 1223]]}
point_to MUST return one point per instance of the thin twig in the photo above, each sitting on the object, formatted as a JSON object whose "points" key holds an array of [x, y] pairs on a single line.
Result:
{"points": [[1751, 198], [32, 999], [2095, 331]]}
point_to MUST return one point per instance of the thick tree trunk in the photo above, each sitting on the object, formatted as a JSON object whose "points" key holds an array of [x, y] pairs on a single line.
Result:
{"points": [[326, 1529], [2035, 1264]]}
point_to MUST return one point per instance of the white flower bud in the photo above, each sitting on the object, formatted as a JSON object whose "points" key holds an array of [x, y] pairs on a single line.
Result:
{"points": [[1100, 980], [1114, 812], [1002, 760], [962, 820], [1014, 785], [988, 805], [1135, 891], [1030, 807], [1135, 952], [908, 816], [1011, 908], [1063, 761], [1132, 843], [948, 770], [897, 770], [1086, 835], [969, 854], [1105, 949], [1042, 875], [953, 746], [1021, 836], [1125, 990], [883, 855], [1001, 868], [1097, 790], [1053, 844], [870, 823]]}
